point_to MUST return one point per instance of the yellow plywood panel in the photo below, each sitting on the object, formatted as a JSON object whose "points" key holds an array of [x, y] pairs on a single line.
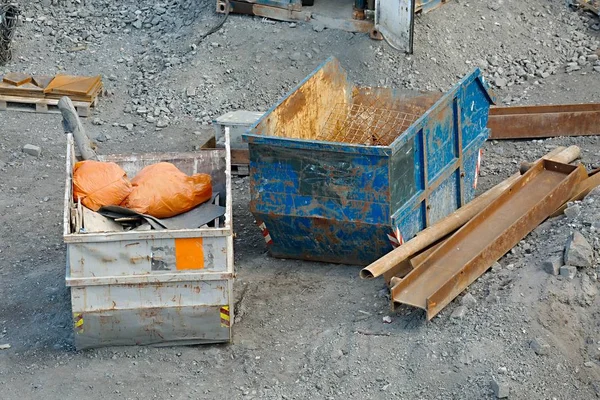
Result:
{"points": [[75, 85], [16, 78]]}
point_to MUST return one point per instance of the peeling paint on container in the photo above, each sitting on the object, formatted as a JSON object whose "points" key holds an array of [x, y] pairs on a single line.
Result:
{"points": [[351, 202]]}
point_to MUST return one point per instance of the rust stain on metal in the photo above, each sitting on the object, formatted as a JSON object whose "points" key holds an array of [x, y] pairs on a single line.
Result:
{"points": [[469, 252], [300, 118], [581, 190], [544, 121], [139, 259], [407, 265]]}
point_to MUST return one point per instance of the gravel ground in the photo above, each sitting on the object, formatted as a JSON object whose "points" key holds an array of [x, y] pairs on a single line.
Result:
{"points": [[304, 330]]}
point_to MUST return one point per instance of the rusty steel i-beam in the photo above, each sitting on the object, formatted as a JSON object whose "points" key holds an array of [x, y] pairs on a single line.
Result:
{"points": [[530, 122], [469, 252]]}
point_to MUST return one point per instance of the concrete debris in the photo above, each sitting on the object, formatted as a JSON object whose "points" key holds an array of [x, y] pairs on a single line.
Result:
{"points": [[103, 137], [384, 293], [318, 27], [572, 211], [295, 56], [387, 319], [539, 346], [459, 312], [578, 251], [4, 346], [162, 122], [468, 300], [500, 388], [500, 82], [32, 150], [568, 271], [552, 265], [496, 267]]}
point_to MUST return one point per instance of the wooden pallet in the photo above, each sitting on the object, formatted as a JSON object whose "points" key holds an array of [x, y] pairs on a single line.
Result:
{"points": [[240, 158], [240, 162], [240, 170], [32, 104]]}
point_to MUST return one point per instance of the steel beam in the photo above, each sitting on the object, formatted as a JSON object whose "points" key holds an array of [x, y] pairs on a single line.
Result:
{"points": [[469, 252], [529, 122]]}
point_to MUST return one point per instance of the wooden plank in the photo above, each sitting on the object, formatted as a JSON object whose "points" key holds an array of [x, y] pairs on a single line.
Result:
{"points": [[94, 92], [210, 143], [25, 90], [240, 170], [73, 85], [16, 78], [42, 81], [240, 157]]}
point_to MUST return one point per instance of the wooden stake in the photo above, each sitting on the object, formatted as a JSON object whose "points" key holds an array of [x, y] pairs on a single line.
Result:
{"points": [[72, 124]]}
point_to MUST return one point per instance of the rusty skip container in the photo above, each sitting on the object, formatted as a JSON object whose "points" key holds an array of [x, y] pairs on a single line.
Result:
{"points": [[342, 173], [161, 287]]}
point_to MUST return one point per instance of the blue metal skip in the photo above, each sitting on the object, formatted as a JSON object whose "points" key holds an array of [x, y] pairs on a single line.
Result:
{"points": [[352, 203]]}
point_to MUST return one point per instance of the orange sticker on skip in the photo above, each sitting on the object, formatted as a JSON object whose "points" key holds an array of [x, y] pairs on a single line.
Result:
{"points": [[189, 253]]}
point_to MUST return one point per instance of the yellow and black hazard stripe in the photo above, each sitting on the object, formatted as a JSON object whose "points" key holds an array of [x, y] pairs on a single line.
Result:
{"points": [[224, 311], [78, 322]]}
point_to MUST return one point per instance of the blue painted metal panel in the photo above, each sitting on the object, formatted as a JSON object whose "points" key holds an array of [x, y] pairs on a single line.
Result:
{"points": [[445, 199], [441, 138], [326, 240], [345, 203]]}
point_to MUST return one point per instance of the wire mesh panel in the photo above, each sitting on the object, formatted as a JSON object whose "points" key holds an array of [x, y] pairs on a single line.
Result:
{"points": [[365, 124]]}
